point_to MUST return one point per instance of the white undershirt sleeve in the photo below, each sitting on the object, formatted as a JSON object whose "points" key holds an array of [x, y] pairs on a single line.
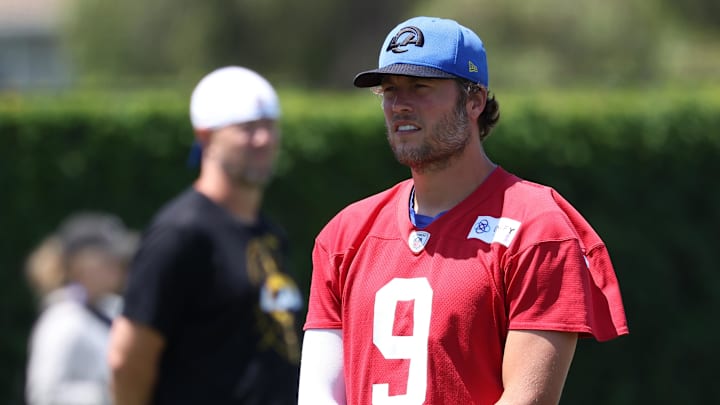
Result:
{"points": [[321, 368]]}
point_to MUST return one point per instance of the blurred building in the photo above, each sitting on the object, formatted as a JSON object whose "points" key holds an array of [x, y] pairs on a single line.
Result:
{"points": [[31, 55]]}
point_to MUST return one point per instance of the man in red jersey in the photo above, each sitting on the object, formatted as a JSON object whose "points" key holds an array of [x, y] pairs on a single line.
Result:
{"points": [[462, 285]]}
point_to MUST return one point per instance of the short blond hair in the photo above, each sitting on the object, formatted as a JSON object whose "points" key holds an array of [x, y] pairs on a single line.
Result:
{"points": [[44, 267]]}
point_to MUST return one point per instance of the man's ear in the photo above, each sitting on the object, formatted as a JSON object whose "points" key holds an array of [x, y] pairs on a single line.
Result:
{"points": [[476, 104], [202, 135]]}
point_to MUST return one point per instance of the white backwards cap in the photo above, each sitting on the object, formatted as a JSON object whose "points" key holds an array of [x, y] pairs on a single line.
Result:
{"points": [[232, 95]]}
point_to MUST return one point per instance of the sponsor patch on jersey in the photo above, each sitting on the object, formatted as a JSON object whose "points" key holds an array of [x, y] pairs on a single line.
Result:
{"points": [[418, 240], [494, 230]]}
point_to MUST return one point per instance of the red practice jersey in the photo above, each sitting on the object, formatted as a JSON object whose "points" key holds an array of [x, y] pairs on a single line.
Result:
{"points": [[425, 313]]}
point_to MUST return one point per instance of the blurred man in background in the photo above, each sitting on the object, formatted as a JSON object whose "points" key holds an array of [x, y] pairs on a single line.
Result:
{"points": [[210, 314], [77, 274]]}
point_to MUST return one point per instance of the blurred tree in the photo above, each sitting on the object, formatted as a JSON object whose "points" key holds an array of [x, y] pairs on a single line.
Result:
{"points": [[306, 43], [164, 37], [323, 43], [705, 13], [561, 42]]}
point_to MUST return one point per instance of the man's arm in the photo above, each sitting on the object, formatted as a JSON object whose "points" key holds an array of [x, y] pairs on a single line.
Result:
{"points": [[321, 368], [133, 355], [535, 365]]}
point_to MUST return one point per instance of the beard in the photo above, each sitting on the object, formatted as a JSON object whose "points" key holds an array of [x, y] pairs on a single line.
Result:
{"points": [[242, 175], [446, 140]]}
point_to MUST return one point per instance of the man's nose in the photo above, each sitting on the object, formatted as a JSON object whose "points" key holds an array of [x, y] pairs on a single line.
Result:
{"points": [[401, 101]]}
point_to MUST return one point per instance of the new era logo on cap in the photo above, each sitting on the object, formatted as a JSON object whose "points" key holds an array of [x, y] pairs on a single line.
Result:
{"points": [[429, 47]]}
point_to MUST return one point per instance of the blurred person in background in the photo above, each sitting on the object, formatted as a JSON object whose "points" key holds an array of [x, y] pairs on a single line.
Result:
{"points": [[211, 315], [77, 273]]}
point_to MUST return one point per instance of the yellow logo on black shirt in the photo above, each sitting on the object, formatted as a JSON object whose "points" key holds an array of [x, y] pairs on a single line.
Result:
{"points": [[279, 299]]}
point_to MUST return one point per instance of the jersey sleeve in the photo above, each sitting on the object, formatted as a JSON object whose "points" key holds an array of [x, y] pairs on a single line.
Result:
{"points": [[324, 305], [163, 278], [565, 282]]}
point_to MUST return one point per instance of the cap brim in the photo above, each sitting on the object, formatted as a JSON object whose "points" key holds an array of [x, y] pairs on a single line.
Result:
{"points": [[372, 78]]}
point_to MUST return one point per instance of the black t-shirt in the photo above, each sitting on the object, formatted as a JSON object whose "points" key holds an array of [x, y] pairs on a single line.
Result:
{"points": [[216, 290]]}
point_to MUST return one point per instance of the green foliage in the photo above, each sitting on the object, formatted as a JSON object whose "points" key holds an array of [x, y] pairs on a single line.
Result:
{"points": [[324, 43], [700, 12], [549, 42], [295, 42], [639, 165]]}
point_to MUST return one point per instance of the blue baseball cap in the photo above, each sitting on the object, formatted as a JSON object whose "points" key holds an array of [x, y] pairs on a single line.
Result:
{"points": [[429, 47]]}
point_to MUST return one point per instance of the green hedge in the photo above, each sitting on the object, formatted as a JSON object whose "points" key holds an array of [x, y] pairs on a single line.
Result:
{"points": [[641, 166]]}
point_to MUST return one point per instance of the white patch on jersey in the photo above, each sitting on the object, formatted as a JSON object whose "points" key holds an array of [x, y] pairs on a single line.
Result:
{"points": [[418, 240], [490, 229]]}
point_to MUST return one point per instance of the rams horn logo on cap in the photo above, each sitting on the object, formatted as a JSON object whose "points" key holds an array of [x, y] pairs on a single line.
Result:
{"points": [[414, 36]]}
